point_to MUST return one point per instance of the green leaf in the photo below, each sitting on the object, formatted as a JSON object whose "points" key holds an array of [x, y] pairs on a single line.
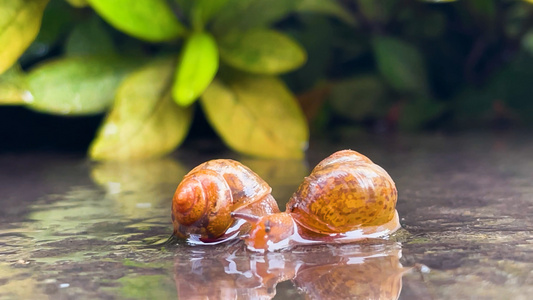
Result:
{"points": [[150, 20], [327, 7], [144, 121], [89, 38], [13, 87], [257, 115], [76, 85], [261, 51], [359, 97], [239, 14], [19, 24], [196, 69], [401, 64]]}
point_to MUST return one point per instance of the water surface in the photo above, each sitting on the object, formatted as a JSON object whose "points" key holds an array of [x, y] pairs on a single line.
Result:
{"points": [[72, 229]]}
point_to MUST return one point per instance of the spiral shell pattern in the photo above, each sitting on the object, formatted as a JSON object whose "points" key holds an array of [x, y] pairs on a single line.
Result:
{"points": [[205, 198]]}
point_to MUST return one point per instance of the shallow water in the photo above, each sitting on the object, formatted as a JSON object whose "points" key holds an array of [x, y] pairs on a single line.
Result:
{"points": [[72, 229]]}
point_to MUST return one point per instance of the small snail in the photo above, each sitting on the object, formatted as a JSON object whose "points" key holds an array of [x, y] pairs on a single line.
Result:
{"points": [[346, 198], [208, 194]]}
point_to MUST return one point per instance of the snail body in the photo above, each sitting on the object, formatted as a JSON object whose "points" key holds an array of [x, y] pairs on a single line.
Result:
{"points": [[345, 198], [209, 193]]}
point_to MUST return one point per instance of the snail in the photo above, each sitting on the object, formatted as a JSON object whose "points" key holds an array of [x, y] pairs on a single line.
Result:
{"points": [[345, 198], [209, 193]]}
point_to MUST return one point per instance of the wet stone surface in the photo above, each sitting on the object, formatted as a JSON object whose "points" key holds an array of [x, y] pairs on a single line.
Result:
{"points": [[71, 229]]}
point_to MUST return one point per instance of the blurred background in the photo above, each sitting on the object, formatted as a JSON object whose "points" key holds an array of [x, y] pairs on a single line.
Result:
{"points": [[436, 92], [285, 71]]}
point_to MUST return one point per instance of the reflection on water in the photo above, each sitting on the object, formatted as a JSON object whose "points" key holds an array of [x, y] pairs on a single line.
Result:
{"points": [[138, 186], [355, 271]]}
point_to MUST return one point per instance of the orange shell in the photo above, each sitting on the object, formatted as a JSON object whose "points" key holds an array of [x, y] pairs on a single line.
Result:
{"points": [[346, 191], [207, 195]]}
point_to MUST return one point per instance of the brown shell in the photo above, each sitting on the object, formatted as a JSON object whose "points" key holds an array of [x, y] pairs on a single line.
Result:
{"points": [[207, 195], [344, 192]]}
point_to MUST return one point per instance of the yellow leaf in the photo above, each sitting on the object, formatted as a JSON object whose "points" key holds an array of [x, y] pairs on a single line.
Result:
{"points": [[257, 115], [20, 21], [144, 121]]}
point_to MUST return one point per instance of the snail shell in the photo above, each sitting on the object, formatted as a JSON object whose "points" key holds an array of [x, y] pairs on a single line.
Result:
{"points": [[344, 192], [346, 198], [209, 193]]}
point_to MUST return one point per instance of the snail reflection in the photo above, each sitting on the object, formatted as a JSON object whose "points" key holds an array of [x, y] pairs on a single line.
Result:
{"points": [[370, 270]]}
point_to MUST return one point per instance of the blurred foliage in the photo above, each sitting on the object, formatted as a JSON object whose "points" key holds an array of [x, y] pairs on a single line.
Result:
{"points": [[375, 64], [20, 21], [143, 119]]}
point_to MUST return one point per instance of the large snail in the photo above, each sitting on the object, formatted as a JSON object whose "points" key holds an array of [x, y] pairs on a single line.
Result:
{"points": [[208, 194], [346, 198]]}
